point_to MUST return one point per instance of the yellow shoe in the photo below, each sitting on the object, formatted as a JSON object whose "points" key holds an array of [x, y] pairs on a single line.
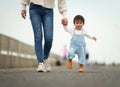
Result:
{"points": [[81, 69], [69, 64]]}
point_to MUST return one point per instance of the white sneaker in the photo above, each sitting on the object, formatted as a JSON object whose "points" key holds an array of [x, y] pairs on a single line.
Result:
{"points": [[47, 65], [41, 68]]}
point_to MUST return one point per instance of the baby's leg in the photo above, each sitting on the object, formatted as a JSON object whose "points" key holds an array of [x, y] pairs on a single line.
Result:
{"points": [[81, 58], [71, 55]]}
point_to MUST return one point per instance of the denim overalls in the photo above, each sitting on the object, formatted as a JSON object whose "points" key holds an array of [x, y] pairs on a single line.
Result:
{"points": [[77, 46]]}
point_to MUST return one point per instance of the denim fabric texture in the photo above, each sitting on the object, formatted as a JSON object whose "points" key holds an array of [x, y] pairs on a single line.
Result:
{"points": [[42, 23], [77, 46]]}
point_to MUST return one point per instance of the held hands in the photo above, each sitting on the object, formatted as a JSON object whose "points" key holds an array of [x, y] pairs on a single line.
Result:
{"points": [[64, 21], [94, 38], [23, 13]]}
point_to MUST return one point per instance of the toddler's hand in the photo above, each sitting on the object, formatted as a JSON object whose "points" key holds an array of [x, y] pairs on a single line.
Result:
{"points": [[94, 38], [64, 21]]}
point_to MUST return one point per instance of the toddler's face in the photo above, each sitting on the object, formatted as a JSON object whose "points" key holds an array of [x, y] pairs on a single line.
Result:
{"points": [[78, 24]]}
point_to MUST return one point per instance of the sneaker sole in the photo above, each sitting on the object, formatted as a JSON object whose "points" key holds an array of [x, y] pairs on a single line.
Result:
{"points": [[41, 71]]}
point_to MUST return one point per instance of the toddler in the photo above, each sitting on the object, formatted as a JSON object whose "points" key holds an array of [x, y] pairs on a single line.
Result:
{"points": [[77, 43]]}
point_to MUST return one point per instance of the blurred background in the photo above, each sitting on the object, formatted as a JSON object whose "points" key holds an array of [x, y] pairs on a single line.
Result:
{"points": [[101, 19]]}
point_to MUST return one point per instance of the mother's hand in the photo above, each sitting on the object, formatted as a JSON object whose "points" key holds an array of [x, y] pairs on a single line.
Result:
{"points": [[64, 21], [23, 13]]}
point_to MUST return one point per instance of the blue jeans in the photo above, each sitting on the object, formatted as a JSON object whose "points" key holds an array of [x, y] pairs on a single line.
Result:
{"points": [[42, 23]]}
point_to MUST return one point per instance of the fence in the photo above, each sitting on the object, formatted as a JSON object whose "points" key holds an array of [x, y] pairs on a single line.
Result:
{"points": [[15, 54]]}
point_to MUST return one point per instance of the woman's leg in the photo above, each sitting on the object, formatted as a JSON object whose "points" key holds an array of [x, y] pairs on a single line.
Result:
{"points": [[35, 18], [47, 21]]}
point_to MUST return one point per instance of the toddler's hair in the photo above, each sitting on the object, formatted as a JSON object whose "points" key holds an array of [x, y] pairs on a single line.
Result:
{"points": [[79, 17]]}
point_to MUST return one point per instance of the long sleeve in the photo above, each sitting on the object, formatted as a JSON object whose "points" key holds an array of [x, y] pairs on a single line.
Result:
{"points": [[70, 31], [24, 4], [48, 4], [88, 35], [62, 7]]}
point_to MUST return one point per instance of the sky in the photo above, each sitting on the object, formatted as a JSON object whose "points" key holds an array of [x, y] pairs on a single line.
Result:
{"points": [[101, 19]]}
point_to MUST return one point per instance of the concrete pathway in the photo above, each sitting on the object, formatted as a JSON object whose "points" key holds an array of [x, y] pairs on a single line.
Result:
{"points": [[94, 76]]}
